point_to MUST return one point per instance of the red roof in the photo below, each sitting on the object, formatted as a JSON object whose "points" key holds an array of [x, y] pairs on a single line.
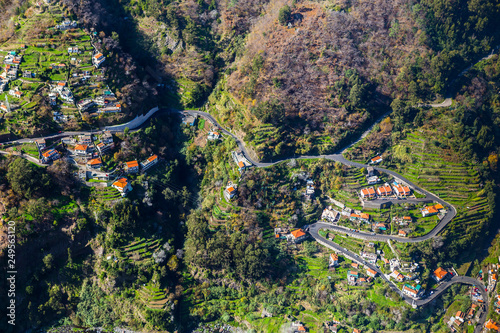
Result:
{"points": [[121, 183], [152, 158], [81, 147], [95, 161], [491, 325], [298, 233], [440, 273], [132, 164]]}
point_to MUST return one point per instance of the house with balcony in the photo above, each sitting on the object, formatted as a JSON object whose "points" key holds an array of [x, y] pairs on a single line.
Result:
{"points": [[149, 162], [132, 167], [50, 155], [122, 185]]}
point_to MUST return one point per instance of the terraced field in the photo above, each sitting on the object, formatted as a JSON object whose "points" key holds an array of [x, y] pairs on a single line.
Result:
{"points": [[140, 251], [106, 194], [153, 297], [444, 173]]}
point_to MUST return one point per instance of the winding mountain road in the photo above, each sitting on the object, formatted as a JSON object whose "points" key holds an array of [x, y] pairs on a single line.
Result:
{"points": [[314, 228]]}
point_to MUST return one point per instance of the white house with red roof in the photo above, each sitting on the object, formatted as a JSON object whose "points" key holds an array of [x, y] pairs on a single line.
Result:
{"points": [[368, 193], [122, 185], [376, 160], [98, 59], [297, 236], [149, 162]]}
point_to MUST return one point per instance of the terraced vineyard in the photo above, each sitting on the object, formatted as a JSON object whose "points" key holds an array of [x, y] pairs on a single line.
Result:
{"points": [[106, 194], [444, 173], [140, 251], [153, 297]]}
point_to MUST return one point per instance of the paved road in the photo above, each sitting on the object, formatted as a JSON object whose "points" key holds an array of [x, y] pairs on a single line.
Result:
{"points": [[313, 229], [420, 302]]}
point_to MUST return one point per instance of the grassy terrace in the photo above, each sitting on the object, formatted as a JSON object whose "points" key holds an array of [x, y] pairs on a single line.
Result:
{"points": [[445, 174]]}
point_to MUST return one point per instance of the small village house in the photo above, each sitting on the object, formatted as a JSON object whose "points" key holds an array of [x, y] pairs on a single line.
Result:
{"points": [[149, 162], [491, 326], [230, 192], [376, 160], [122, 185], [397, 276], [334, 260], [367, 193], [371, 272], [384, 191], [98, 59], [297, 236], [401, 190], [413, 290], [50, 155], [440, 274], [107, 137], [95, 163], [402, 233], [103, 148], [132, 167], [40, 143], [85, 139], [81, 150]]}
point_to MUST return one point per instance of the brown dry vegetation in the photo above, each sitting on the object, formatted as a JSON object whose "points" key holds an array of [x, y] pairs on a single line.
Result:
{"points": [[309, 58]]}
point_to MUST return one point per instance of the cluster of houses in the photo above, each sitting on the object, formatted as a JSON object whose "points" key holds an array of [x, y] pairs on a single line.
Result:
{"points": [[67, 24], [86, 148], [240, 160], [354, 278], [134, 166], [456, 322], [332, 215], [433, 210], [107, 103], [384, 191], [12, 62], [61, 89]]}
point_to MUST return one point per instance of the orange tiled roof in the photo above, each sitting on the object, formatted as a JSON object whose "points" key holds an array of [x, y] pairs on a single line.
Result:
{"points": [[98, 55], [364, 216], [491, 325], [152, 158], [431, 210], [230, 189], [81, 147], [371, 271], [121, 183], [132, 164], [241, 164], [298, 233], [334, 256], [407, 218], [402, 232], [438, 206], [95, 161], [376, 158], [440, 273]]}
